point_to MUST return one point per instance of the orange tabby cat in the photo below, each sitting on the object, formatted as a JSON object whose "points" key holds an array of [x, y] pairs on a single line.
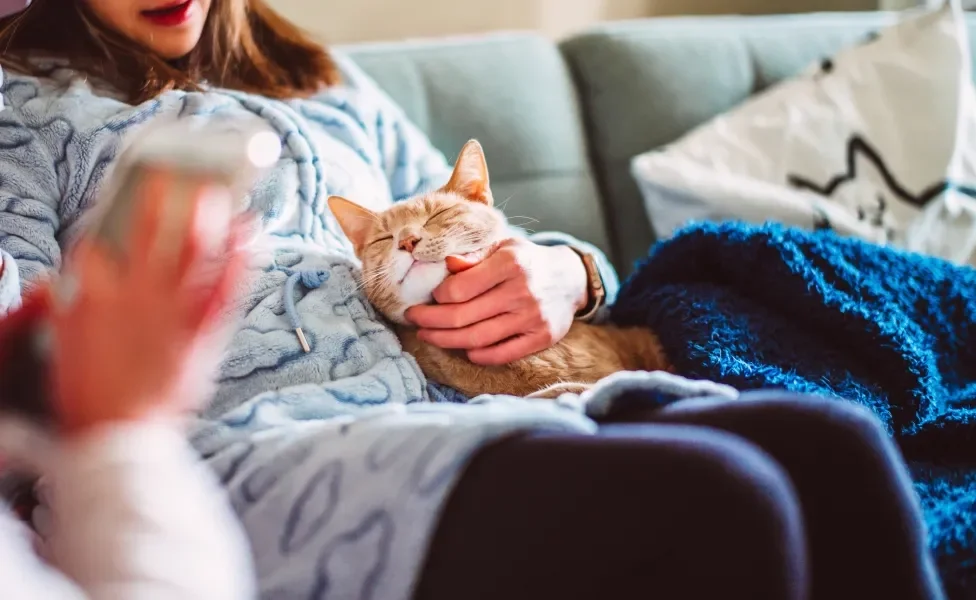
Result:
{"points": [[404, 251]]}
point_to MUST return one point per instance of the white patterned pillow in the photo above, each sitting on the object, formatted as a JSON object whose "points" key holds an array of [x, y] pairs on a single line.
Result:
{"points": [[876, 142]]}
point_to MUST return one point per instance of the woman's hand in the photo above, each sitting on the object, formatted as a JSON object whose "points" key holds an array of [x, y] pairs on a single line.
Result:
{"points": [[122, 349], [519, 300]]}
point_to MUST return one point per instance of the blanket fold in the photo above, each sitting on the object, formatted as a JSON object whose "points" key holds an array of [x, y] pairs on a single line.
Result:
{"points": [[773, 307]]}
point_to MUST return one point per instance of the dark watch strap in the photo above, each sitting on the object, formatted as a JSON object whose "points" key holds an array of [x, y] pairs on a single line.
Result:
{"points": [[596, 292]]}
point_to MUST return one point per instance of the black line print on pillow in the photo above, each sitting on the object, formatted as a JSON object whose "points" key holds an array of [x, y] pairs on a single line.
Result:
{"points": [[820, 220], [858, 147], [827, 63]]}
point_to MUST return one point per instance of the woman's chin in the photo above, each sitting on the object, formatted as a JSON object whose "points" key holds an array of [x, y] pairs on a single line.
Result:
{"points": [[173, 43]]}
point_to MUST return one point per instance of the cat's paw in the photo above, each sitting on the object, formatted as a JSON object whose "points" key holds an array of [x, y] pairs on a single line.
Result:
{"points": [[558, 389]]}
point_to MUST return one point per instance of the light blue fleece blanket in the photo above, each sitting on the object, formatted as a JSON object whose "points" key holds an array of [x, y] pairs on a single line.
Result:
{"points": [[335, 460]]}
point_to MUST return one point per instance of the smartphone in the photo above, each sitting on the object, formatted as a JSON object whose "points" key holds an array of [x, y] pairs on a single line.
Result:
{"points": [[231, 154]]}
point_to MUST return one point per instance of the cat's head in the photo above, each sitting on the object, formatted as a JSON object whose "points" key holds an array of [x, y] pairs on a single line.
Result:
{"points": [[404, 249]]}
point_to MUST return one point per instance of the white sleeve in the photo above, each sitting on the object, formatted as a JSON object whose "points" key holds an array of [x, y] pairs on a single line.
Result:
{"points": [[130, 513], [24, 576]]}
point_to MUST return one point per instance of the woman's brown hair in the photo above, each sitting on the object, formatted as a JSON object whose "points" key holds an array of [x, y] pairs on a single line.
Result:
{"points": [[245, 46]]}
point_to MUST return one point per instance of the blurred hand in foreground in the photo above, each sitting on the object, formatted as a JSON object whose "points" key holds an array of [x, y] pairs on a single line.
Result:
{"points": [[143, 337]]}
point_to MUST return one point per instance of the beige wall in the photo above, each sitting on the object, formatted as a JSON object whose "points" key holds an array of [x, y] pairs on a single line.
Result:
{"points": [[338, 21], [758, 6], [676, 7]]}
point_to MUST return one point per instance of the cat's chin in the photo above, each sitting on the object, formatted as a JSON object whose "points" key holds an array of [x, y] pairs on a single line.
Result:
{"points": [[420, 282]]}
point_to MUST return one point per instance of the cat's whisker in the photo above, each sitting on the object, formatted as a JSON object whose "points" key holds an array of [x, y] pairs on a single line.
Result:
{"points": [[463, 234], [381, 274], [474, 242], [377, 275], [366, 281], [456, 229], [501, 206], [363, 284], [450, 232]]}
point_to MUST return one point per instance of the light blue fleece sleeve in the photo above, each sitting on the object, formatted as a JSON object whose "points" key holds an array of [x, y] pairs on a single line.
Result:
{"points": [[29, 198], [404, 153], [413, 165]]}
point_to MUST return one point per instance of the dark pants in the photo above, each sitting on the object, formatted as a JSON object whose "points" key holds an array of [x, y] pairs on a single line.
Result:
{"points": [[772, 496]]}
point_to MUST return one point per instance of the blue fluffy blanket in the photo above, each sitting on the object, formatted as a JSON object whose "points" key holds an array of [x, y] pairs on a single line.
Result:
{"points": [[771, 307]]}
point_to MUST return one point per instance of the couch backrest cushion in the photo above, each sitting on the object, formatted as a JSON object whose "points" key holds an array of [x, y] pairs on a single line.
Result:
{"points": [[513, 93], [643, 84]]}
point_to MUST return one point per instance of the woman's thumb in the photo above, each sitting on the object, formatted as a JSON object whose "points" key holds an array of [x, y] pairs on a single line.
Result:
{"points": [[457, 264]]}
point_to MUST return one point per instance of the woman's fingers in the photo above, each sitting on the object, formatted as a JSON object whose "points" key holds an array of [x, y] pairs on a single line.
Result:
{"points": [[475, 281], [496, 301], [459, 263], [146, 232], [479, 335], [510, 350], [96, 275], [181, 222], [227, 274], [209, 229]]}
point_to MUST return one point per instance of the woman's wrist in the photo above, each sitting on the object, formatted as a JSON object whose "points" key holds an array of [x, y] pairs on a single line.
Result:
{"points": [[81, 427], [120, 428], [576, 271], [81, 422]]}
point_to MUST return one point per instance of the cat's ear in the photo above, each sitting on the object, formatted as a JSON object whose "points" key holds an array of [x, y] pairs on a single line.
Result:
{"points": [[470, 177], [354, 220]]}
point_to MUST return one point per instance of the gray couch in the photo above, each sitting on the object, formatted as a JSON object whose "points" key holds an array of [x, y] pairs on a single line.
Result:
{"points": [[560, 123]]}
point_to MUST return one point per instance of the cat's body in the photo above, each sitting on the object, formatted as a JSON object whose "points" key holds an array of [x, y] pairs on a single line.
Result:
{"points": [[404, 252], [586, 355]]}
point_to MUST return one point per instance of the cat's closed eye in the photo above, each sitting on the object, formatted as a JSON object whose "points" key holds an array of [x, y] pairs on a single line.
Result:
{"points": [[439, 214], [380, 239]]}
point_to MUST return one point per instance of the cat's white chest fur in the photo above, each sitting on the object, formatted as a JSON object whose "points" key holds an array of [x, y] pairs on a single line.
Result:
{"points": [[420, 282]]}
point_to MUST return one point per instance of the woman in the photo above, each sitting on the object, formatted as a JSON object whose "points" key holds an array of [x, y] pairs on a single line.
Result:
{"points": [[344, 504]]}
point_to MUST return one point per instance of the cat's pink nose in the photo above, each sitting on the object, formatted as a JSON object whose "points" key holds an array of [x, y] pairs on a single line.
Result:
{"points": [[408, 243]]}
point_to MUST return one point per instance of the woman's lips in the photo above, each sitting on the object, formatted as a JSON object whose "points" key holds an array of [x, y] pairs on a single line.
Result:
{"points": [[170, 15]]}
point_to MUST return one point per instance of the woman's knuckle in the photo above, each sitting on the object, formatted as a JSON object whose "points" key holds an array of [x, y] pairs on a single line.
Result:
{"points": [[449, 294], [535, 315], [452, 319]]}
